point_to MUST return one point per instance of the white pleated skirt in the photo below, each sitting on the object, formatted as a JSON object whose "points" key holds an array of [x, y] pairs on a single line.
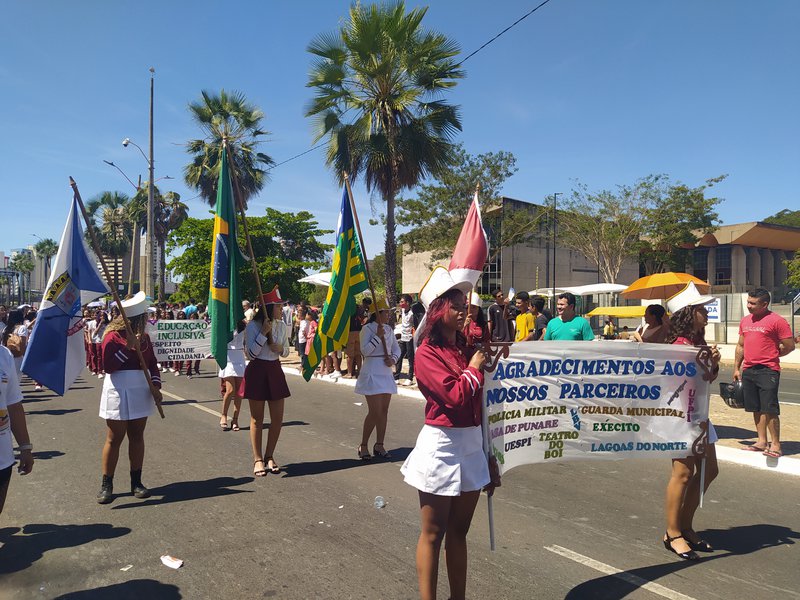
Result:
{"points": [[126, 396], [447, 461]]}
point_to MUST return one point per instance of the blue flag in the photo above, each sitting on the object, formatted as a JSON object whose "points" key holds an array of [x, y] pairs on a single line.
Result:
{"points": [[55, 355]]}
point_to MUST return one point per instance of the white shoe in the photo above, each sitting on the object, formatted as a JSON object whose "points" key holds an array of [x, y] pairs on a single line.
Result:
{"points": [[336, 374], [99, 375], [171, 369], [38, 388], [177, 373]]}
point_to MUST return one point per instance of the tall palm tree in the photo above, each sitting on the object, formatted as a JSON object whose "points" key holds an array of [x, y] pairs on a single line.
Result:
{"points": [[46, 249], [23, 264], [109, 214], [378, 83], [170, 214], [230, 117], [137, 215]]}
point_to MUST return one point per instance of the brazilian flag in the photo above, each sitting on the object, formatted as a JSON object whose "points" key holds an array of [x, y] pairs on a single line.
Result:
{"points": [[225, 301], [349, 277]]}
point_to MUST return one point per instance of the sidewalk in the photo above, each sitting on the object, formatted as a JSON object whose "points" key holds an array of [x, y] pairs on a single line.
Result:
{"points": [[735, 427]]}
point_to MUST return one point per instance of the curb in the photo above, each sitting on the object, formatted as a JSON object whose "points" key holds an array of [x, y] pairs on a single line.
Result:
{"points": [[785, 465]]}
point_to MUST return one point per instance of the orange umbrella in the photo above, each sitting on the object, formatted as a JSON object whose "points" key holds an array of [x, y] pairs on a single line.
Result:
{"points": [[660, 286]]}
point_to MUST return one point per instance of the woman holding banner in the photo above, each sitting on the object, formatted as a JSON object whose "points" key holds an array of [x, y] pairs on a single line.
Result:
{"points": [[376, 381], [687, 326], [126, 401], [231, 377], [448, 465], [266, 340]]}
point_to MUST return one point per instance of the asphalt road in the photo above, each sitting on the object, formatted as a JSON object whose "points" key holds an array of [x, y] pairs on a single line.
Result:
{"points": [[789, 390], [575, 530]]}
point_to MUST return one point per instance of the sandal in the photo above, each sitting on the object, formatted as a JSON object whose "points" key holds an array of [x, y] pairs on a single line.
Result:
{"points": [[262, 472], [382, 452], [224, 425], [365, 455], [235, 426], [690, 555], [754, 448], [700, 545], [772, 453], [274, 468]]}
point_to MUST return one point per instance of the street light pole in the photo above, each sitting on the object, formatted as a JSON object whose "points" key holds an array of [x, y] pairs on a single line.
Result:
{"points": [[555, 199], [151, 270]]}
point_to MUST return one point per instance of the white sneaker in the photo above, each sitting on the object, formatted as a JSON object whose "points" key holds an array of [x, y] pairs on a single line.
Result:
{"points": [[177, 373], [37, 387], [171, 369], [99, 375], [335, 375]]}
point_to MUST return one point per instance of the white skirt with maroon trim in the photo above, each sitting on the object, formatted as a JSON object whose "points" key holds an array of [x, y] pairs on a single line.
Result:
{"points": [[126, 396], [264, 380], [447, 461]]}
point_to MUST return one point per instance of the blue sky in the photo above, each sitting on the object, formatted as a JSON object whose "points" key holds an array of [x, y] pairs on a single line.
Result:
{"points": [[603, 92]]}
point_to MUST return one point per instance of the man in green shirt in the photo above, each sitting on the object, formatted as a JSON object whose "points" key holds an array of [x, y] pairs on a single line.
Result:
{"points": [[568, 326]]}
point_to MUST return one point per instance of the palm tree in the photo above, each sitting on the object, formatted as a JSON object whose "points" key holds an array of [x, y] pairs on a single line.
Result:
{"points": [[23, 264], [378, 83], [46, 249], [137, 215], [229, 117], [170, 214], [109, 214]]}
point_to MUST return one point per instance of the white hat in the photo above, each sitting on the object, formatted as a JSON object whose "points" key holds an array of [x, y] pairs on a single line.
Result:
{"points": [[688, 296], [135, 306], [439, 282], [475, 300]]}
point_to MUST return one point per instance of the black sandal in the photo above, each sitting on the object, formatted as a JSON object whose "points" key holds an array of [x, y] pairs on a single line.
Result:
{"points": [[382, 452], [700, 545], [690, 555], [262, 472], [365, 455]]}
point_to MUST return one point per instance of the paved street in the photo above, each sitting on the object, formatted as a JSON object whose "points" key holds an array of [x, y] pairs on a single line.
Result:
{"points": [[790, 382], [577, 530]]}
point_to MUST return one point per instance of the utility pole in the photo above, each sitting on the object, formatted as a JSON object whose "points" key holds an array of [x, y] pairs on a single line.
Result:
{"points": [[555, 199], [151, 251]]}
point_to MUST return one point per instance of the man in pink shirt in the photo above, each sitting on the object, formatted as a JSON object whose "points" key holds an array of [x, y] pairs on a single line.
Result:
{"points": [[763, 338]]}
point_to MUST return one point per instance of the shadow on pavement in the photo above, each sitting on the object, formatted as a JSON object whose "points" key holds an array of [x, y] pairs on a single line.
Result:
{"points": [[341, 464], [729, 432], [190, 490], [21, 551], [47, 454], [133, 590], [266, 425], [728, 542], [53, 412]]}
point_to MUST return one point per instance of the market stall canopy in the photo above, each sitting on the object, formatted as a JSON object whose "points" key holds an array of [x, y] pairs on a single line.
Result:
{"points": [[663, 285], [620, 312], [323, 279]]}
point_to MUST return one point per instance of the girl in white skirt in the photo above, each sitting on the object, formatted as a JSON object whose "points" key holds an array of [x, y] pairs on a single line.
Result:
{"points": [[231, 377], [447, 466], [126, 401], [376, 381]]}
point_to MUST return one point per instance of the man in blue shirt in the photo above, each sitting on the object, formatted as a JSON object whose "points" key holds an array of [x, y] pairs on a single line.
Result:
{"points": [[190, 308], [568, 326]]}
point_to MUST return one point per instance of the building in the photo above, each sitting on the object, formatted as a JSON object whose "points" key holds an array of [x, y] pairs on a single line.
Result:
{"points": [[736, 258], [525, 266]]}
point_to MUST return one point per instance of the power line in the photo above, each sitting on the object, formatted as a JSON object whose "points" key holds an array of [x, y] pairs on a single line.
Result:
{"points": [[470, 55]]}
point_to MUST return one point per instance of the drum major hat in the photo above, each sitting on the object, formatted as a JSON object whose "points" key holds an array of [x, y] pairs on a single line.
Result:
{"points": [[379, 304], [439, 282], [135, 306], [273, 297], [688, 296]]}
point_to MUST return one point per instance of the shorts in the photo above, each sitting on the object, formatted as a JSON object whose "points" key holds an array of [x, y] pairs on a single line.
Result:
{"points": [[760, 388], [353, 344], [5, 475]]}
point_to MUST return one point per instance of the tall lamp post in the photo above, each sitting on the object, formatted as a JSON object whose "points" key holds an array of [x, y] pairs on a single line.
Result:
{"points": [[555, 199], [150, 271]]}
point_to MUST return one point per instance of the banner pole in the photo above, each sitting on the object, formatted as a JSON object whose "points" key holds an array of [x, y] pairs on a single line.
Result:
{"points": [[364, 254], [128, 330]]}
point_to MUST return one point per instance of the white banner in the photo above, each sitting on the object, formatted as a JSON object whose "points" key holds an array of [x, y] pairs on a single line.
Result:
{"points": [[180, 340], [553, 401]]}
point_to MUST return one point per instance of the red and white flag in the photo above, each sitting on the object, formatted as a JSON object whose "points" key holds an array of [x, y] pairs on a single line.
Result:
{"points": [[472, 247]]}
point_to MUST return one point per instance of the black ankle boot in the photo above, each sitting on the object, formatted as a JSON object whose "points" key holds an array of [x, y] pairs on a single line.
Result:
{"points": [[106, 493], [137, 488]]}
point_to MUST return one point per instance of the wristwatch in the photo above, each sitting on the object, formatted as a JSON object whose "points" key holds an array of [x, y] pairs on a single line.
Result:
{"points": [[28, 446]]}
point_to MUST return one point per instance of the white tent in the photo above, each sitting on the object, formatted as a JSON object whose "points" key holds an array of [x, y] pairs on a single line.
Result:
{"points": [[596, 288], [323, 279]]}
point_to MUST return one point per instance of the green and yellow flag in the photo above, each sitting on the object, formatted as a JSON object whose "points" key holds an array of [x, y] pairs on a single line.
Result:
{"points": [[349, 277], [224, 300]]}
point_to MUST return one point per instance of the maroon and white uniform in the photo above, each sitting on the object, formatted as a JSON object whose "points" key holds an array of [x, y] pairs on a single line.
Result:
{"points": [[448, 457], [126, 395]]}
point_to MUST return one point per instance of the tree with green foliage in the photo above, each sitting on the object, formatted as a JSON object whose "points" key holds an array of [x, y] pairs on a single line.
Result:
{"points": [[793, 272], [227, 117], [23, 263], [46, 248], [108, 212], [285, 244], [438, 212], [378, 84], [785, 217], [137, 217], [169, 215]]}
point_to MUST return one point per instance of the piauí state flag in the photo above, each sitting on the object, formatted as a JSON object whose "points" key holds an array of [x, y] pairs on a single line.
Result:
{"points": [[472, 247], [224, 298], [349, 277], [56, 354]]}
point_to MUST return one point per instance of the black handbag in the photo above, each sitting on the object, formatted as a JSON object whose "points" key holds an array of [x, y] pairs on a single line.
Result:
{"points": [[732, 394]]}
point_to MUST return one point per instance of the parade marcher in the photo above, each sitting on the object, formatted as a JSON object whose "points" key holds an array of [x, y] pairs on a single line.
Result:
{"points": [[15, 337], [12, 421], [763, 338], [656, 326], [376, 382], [687, 326], [476, 329], [266, 341], [501, 324], [232, 376], [447, 465], [407, 322], [302, 333], [94, 332], [568, 325], [127, 401]]}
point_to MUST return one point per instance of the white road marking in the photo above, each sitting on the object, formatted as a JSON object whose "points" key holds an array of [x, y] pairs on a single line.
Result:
{"points": [[192, 403], [656, 588]]}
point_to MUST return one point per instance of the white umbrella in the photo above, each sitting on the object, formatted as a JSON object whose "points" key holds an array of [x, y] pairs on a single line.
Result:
{"points": [[96, 304], [597, 288], [323, 279]]}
